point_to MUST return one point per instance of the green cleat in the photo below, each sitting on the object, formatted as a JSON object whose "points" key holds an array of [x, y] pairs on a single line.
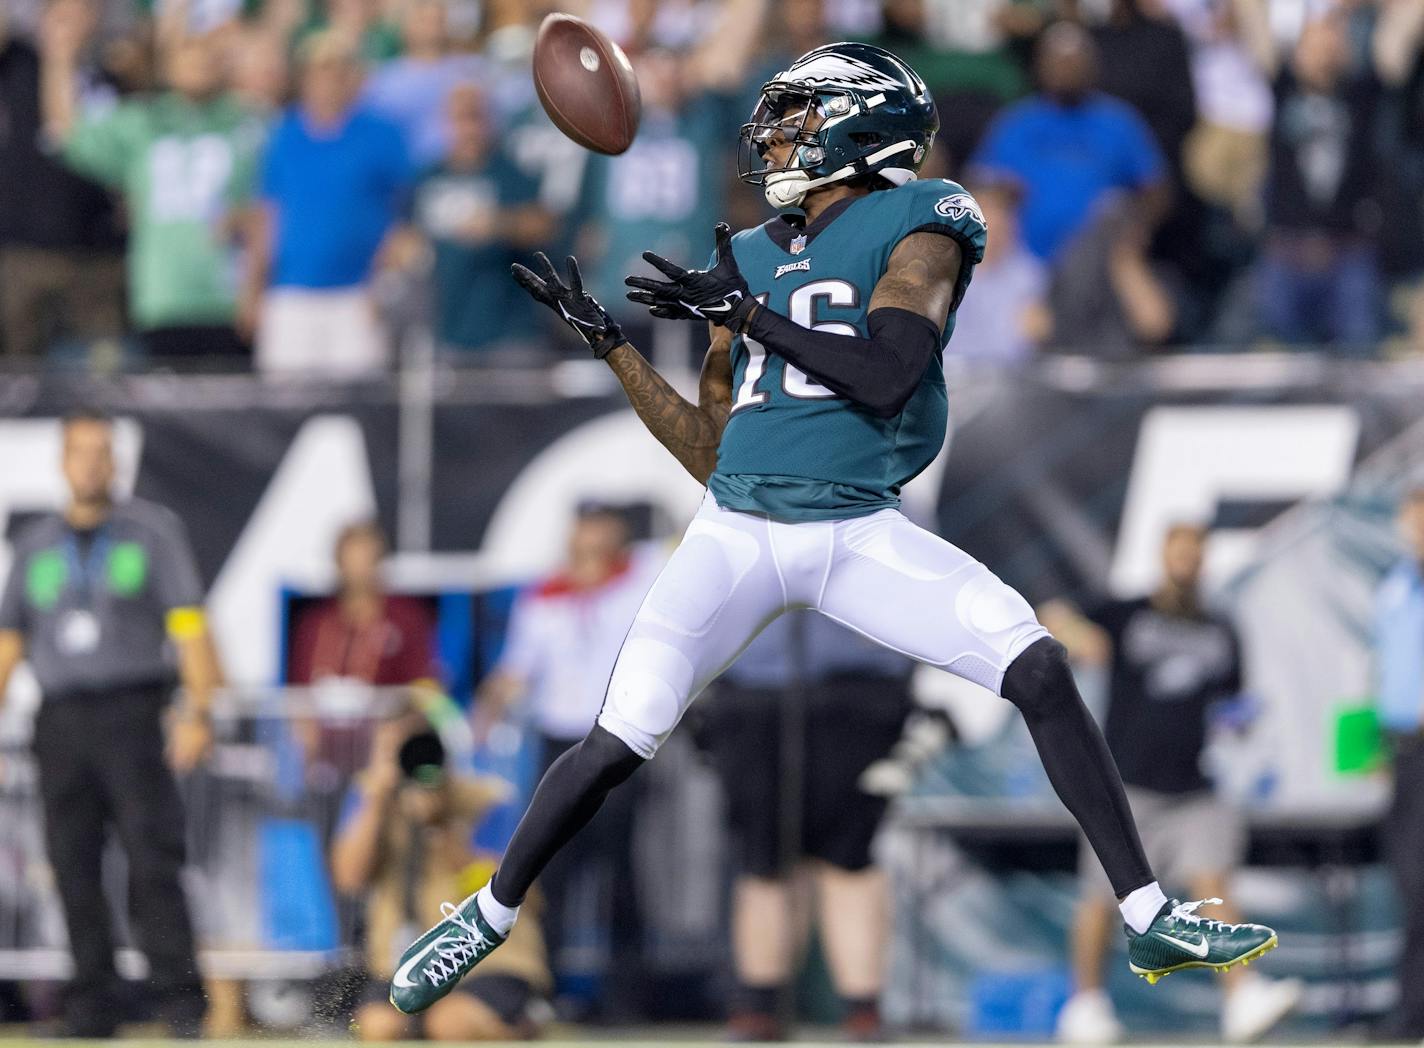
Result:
{"points": [[434, 963], [1178, 939]]}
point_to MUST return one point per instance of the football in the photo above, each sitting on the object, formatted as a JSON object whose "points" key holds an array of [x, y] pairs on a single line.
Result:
{"points": [[586, 84]]}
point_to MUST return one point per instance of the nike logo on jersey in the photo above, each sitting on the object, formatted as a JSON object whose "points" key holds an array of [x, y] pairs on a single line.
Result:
{"points": [[792, 267], [402, 977], [1196, 949]]}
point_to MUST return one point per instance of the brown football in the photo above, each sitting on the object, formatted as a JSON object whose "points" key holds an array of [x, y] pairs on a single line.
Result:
{"points": [[586, 84]]}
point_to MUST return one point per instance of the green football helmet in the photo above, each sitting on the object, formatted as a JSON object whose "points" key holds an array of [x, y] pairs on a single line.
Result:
{"points": [[849, 110]]}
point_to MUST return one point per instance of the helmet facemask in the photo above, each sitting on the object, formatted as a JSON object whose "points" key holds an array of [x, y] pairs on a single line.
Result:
{"points": [[793, 114], [846, 111]]}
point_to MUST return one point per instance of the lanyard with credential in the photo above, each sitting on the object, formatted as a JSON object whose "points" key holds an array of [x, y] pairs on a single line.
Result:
{"points": [[85, 570]]}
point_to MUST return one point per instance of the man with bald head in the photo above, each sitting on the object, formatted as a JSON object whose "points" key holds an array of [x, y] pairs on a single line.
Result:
{"points": [[1071, 147], [1094, 187]]}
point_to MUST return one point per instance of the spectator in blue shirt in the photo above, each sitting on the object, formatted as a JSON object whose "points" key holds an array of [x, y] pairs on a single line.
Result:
{"points": [[1094, 187], [334, 181], [414, 89], [1070, 146], [1007, 318], [1399, 672]]}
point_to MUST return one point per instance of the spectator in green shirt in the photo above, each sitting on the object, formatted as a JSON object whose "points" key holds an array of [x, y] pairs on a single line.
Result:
{"points": [[667, 191], [479, 213], [360, 22], [183, 161]]}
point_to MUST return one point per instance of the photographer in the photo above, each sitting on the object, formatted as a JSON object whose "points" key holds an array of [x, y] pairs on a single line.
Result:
{"points": [[407, 844]]}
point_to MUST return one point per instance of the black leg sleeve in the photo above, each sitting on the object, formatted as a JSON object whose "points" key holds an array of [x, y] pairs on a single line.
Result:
{"points": [[1404, 841], [1076, 757], [569, 795]]}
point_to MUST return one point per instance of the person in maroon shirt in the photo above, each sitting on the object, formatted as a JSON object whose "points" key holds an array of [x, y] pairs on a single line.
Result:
{"points": [[358, 638], [362, 632]]}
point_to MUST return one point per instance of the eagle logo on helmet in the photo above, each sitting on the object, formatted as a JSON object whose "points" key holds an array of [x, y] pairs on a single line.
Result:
{"points": [[833, 70]]}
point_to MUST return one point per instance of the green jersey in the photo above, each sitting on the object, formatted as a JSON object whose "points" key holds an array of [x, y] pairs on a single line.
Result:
{"points": [[476, 304], [183, 168], [662, 195], [792, 448]]}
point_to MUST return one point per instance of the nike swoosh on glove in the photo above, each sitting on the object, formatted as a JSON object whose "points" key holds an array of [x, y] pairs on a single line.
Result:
{"points": [[574, 306], [719, 294]]}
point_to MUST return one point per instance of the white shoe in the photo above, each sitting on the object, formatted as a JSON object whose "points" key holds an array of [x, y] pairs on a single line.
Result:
{"points": [[926, 735], [1088, 1018], [1255, 1005]]}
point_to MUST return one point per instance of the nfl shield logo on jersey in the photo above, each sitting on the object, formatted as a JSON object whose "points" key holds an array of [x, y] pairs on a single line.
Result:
{"points": [[798, 244]]}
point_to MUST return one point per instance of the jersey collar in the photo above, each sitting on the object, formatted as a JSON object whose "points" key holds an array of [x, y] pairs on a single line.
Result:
{"points": [[782, 229]]}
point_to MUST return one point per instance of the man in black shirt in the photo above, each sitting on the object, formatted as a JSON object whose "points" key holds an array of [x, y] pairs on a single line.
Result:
{"points": [[1319, 276], [61, 261], [1170, 661]]}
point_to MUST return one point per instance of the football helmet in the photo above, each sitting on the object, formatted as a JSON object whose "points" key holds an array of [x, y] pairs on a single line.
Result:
{"points": [[848, 110]]}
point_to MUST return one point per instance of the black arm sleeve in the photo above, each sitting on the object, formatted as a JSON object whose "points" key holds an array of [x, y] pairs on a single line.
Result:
{"points": [[880, 373]]}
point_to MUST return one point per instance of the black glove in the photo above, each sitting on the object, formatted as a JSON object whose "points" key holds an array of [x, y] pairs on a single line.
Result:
{"points": [[575, 306], [719, 294]]}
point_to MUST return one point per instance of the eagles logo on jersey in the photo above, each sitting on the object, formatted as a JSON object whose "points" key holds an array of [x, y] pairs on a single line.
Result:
{"points": [[959, 206], [876, 118]]}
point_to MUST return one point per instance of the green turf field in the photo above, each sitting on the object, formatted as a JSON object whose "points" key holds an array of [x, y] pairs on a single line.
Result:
{"points": [[701, 1037]]}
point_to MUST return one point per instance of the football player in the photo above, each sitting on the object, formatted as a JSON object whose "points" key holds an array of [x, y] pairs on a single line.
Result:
{"points": [[821, 395]]}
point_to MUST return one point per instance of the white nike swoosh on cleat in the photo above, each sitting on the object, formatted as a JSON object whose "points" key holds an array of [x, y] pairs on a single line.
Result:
{"points": [[402, 977], [1196, 949]]}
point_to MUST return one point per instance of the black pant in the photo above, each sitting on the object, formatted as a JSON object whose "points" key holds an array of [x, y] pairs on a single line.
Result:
{"points": [[848, 723], [606, 843], [195, 341], [102, 767], [1404, 829]]}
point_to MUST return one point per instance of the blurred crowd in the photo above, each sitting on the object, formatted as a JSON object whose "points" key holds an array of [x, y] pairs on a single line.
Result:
{"points": [[305, 185]]}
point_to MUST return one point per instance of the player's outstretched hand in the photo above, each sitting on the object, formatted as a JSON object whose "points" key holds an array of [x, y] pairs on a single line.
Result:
{"points": [[719, 294], [575, 306]]}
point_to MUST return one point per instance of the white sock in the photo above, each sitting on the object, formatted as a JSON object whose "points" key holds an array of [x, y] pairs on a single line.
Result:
{"points": [[1141, 906], [500, 916]]}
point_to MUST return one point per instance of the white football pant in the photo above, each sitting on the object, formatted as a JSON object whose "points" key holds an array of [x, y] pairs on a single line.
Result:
{"points": [[880, 575]]}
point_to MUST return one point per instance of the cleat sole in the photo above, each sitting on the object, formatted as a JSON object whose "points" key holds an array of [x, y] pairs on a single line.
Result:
{"points": [[1153, 975]]}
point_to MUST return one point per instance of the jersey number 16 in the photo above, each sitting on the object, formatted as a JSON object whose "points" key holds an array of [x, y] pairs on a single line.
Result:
{"points": [[802, 309]]}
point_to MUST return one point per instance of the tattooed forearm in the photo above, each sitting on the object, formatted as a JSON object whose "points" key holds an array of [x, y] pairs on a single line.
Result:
{"points": [[690, 431], [920, 276]]}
